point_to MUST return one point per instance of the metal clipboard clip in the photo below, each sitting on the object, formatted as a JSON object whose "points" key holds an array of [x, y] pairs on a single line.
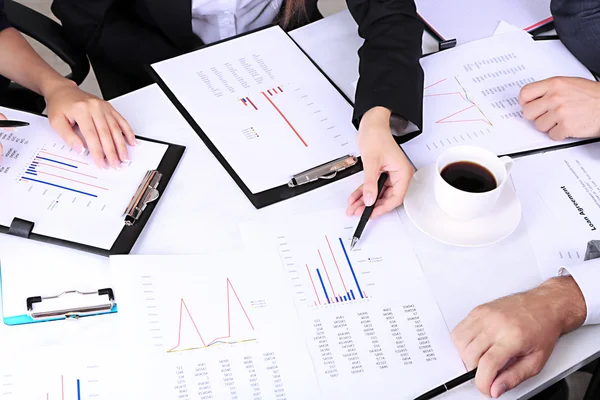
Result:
{"points": [[146, 193], [86, 306], [325, 171]]}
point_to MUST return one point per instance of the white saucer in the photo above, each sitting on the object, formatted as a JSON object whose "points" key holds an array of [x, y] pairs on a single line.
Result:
{"points": [[424, 212]]}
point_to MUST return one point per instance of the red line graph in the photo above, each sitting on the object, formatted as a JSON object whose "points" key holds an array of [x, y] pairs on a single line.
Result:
{"points": [[72, 180], [182, 305], [433, 84], [68, 170], [285, 119], [66, 158], [336, 264], [464, 97], [313, 285]]}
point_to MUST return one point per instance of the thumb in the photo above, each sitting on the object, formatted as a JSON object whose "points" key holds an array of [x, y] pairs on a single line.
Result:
{"points": [[518, 372], [64, 129], [371, 174]]}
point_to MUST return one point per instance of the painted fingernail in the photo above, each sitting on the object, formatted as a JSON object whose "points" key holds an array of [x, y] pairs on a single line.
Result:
{"points": [[78, 148], [369, 199]]}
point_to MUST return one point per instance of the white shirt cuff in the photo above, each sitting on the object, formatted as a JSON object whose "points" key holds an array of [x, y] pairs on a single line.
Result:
{"points": [[401, 127], [587, 276]]}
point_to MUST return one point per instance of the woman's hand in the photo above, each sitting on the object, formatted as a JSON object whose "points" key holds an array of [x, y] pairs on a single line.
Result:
{"points": [[380, 153], [105, 131]]}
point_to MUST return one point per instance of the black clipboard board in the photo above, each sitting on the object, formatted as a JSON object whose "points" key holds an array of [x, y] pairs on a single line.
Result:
{"points": [[270, 196], [129, 234]]}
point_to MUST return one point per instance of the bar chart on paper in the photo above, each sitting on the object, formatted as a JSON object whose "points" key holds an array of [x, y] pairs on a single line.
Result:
{"points": [[56, 187], [63, 170], [210, 327], [55, 377], [369, 320], [332, 274], [280, 99]]}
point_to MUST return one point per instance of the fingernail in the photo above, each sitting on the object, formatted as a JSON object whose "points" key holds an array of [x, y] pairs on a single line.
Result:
{"points": [[369, 199], [78, 148], [501, 390]]}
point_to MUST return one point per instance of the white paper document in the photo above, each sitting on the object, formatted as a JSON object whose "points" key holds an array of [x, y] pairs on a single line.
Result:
{"points": [[268, 110], [372, 326], [55, 373], [468, 20], [63, 193], [217, 326], [560, 194], [471, 95]]}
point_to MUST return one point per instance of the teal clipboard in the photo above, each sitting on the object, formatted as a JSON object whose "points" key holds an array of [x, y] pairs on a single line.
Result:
{"points": [[37, 309]]}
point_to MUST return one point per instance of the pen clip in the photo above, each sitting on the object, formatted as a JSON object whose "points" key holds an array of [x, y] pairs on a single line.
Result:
{"points": [[328, 170], [146, 193]]}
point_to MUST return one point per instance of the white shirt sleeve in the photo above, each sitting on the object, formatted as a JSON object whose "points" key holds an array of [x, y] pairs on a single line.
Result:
{"points": [[587, 276], [401, 127]]}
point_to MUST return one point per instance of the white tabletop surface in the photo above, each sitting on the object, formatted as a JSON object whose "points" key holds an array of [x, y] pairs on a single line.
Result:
{"points": [[202, 207]]}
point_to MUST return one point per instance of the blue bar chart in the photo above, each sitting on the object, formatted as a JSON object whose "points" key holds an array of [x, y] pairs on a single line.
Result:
{"points": [[334, 274], [55, 170]]}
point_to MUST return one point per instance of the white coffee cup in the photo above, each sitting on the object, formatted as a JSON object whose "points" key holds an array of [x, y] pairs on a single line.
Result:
{"points": [[462, 205]]}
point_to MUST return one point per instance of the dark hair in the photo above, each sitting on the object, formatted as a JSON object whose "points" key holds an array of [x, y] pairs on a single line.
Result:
{"points": [[294, 9]]}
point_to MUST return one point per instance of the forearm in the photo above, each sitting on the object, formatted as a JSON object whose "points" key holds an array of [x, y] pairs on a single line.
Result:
{"points": [[21, 64], [563, 301]]}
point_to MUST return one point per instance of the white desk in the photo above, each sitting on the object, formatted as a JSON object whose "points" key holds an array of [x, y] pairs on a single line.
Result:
{"points": [[201, 209]]}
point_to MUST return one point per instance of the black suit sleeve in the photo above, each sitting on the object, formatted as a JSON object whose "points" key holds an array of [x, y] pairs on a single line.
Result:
{"points": [[390, 73], [3, 20], [109, 31], [578, 25]]}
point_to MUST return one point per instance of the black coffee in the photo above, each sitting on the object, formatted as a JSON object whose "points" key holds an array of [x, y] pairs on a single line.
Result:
{"points": [[469, 177]]}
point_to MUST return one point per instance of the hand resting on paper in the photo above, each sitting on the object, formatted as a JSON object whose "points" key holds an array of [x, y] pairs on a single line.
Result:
{"points": [[104, 130], [380, 153], [563, 107], [511, 339]]}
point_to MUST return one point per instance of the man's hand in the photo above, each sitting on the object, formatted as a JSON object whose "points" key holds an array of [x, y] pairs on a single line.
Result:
{"points": [[380, 153], [563, 107], [511, 339], [105, 131]]}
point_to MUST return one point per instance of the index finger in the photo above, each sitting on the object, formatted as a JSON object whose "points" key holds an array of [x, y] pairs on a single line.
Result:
{"points": [[533, 91]]}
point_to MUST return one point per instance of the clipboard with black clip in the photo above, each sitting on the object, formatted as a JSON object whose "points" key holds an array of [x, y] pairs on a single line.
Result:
{"points": [[135, 216], [299, 183]]}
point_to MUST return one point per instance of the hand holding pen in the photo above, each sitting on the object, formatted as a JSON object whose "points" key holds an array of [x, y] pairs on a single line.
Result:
{"points": [[7, 124], [366, 215]]}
